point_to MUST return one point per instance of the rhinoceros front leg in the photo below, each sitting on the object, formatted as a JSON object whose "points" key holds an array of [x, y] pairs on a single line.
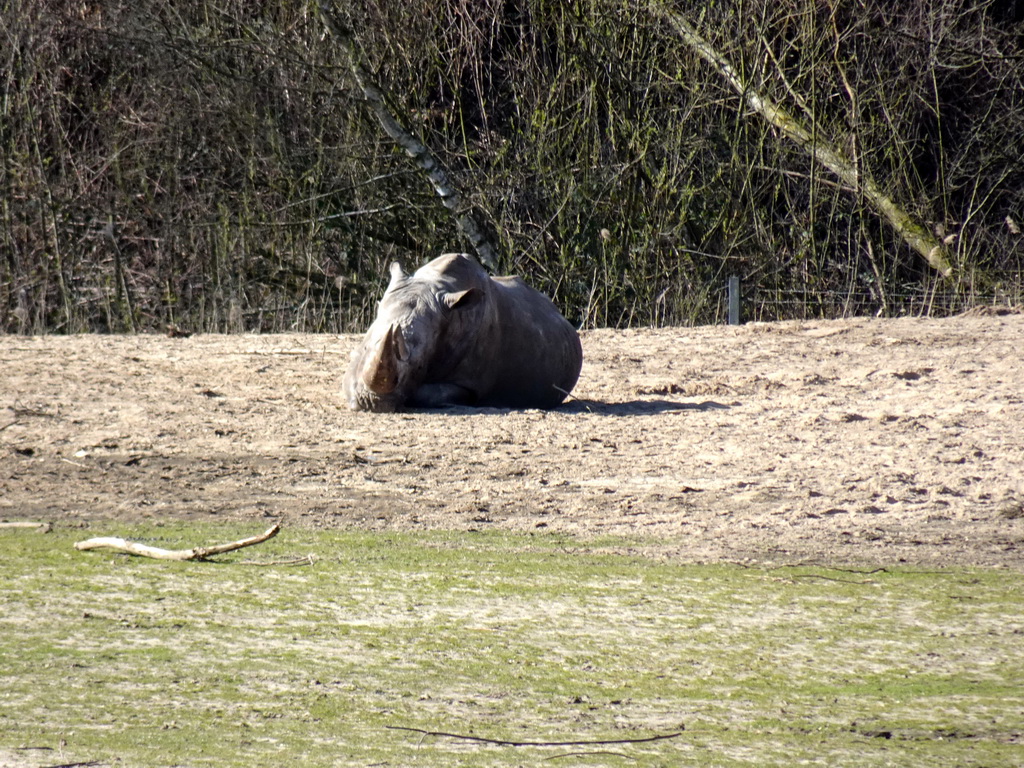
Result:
{"points": [[441, 395]]}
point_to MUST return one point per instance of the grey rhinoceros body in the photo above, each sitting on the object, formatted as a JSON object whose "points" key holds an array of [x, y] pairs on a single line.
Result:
{"points": [[452, 335]]}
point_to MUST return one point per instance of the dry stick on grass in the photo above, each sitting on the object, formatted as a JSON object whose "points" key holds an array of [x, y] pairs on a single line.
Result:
{"points": [[40, 526], [595, 753], [304, 560], [196, 553], [912, 231], [506, 743]]}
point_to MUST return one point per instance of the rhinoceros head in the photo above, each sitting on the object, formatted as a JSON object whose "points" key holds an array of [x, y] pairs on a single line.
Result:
{"points": [[404, 343]]}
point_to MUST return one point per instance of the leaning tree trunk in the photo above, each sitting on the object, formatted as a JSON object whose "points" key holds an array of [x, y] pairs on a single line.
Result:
{"points": [[416, 149], [912, 231]]}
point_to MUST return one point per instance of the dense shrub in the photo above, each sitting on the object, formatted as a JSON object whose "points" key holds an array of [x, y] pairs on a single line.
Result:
{"points": [[212, 165]]}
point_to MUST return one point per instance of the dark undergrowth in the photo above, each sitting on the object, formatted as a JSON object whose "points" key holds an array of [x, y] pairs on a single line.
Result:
{"points": [[212, 165]]}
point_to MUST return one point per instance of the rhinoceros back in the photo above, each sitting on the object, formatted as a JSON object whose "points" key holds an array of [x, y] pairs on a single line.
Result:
{"points": [[539, 355]]}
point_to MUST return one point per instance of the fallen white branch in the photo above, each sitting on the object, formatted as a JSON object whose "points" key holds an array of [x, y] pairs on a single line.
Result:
{"points": [[196, 553], [39, 526]]}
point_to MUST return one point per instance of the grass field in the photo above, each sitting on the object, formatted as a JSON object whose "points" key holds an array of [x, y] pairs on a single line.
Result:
{"points": [[135, 662]]}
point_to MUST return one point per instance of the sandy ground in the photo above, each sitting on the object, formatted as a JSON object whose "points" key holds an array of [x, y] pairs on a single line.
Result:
{"points": [[855, 441]]}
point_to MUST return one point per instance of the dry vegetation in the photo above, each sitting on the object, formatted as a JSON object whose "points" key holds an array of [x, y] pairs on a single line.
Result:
{"points": [[213, 164]]}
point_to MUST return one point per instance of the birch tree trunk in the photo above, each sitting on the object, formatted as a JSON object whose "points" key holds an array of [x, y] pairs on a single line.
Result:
{"points": [[416, 149], [915, 234]]}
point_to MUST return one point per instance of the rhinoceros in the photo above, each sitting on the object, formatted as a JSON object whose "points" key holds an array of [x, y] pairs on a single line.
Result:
{"points": [[450, 334]]}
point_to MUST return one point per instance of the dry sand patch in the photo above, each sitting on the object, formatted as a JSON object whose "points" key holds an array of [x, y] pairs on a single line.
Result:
{"points": [[852, 440]]}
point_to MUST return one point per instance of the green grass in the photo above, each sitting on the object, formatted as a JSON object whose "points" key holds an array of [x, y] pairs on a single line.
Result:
{"points": [[138, 662]]}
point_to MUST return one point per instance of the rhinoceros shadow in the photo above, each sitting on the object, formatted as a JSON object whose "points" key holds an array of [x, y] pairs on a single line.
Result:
{"points": [[637, 407], [628, 408]]}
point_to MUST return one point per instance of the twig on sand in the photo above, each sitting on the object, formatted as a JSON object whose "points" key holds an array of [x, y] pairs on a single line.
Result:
{"points": [[196, 553], [507, 743]]}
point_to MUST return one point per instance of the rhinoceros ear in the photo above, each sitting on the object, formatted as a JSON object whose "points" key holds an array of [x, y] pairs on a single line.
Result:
{"points": [[397, 273], [461, 299]]}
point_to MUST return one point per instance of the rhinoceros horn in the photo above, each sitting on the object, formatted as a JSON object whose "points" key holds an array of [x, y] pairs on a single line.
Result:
{"points": [[381, 375]]}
